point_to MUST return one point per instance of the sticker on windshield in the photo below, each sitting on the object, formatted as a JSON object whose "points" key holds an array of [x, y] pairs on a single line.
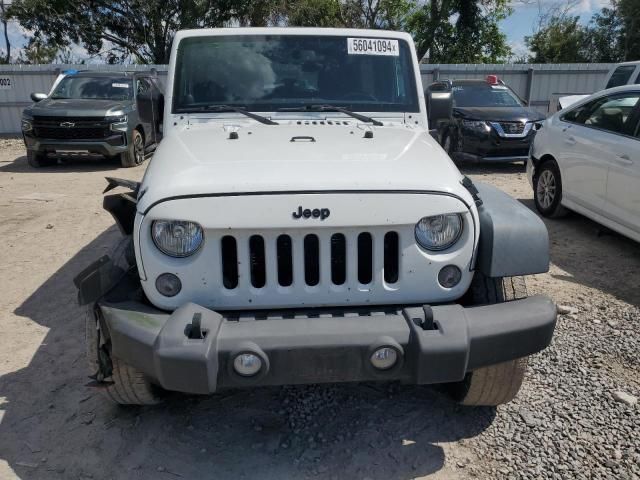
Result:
{"points": [[120, 85], [372, 46]]}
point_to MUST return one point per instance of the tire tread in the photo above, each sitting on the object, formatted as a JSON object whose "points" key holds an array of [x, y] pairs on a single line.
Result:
{"points": [[495, 384]]}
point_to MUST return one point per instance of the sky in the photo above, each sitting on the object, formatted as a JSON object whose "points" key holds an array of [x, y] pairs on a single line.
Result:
{"points": [[524, 18], [520, 24]]}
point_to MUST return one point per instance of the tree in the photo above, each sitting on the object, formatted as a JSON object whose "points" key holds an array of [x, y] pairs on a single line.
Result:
{"points": [[3, 19], [562, 40], [473, 36], [603, 37], [141, 30], [38, 50], [629, 12], [389, 14]]}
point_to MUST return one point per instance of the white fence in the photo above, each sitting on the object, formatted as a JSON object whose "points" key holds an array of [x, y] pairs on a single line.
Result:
{"points": [[537, 84]]}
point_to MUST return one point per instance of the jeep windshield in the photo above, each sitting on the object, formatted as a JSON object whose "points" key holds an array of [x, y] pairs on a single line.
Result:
{"points": [[484, 95], [93, 88], [271, 73]]}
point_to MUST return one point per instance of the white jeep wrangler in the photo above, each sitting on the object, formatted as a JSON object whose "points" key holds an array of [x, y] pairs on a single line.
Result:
{"points": [[298, 224]]}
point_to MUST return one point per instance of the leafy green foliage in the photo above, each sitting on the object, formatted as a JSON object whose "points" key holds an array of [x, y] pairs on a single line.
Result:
{"points": [[612, 35], [141, 29], [474, 36], [562, 40]]}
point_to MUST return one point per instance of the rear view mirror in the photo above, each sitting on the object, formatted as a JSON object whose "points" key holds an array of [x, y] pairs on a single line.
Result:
{"points": [[36, 97], [439, 99]]}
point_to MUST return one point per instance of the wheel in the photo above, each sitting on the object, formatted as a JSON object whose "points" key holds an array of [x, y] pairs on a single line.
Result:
{"points": [[547, 190], [123, 384], [447, 145], [38, 159], [135, 152], [496, 384]]}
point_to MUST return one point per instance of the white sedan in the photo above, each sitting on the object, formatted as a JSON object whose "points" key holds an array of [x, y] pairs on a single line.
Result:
{"points": [[587, 159]]}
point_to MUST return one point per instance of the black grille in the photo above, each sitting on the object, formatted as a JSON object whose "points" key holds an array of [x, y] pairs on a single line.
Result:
{"points": [[70, 128], [391, 257], [71, 133], [311, 252], [338, 259], [365, 258], [257, 261], [229, 250], [285, 260], [512, 128], [311, 260]]}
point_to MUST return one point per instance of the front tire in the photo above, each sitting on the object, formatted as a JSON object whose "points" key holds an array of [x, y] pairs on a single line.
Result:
{"points": [[123, 384], [134, 155], [547, 190], [38, 159], [448, 146], [495, 384]]}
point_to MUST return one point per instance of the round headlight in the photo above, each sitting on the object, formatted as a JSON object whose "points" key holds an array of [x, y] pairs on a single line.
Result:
{"points": [[439, 232], [177, 238]]}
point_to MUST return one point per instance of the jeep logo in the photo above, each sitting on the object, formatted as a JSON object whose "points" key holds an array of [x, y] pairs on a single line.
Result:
{"points": [[320, 213]]}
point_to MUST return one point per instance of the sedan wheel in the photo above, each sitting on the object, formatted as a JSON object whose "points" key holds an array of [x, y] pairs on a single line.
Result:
{"points": [[546, 189]]}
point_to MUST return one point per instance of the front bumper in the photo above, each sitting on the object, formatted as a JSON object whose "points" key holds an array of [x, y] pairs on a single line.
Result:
{"points": [[316, 347], [492, 148], [109, 146]]}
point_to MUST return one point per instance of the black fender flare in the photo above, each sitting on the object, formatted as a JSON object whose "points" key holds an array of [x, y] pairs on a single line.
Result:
{"points": [[513, 239]]}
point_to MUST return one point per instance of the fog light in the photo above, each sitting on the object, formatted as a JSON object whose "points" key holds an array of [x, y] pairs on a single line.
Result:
{"points": [[247, 364], [168, 284], [449, 276], [384, 358]]}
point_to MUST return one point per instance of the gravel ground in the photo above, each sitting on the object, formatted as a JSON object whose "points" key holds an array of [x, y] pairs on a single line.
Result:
{"points": [[574, 418]]}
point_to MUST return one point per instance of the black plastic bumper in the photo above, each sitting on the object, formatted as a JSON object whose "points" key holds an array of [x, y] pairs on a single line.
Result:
{"points": [[334, 347], [110, 146], [491, 148]]}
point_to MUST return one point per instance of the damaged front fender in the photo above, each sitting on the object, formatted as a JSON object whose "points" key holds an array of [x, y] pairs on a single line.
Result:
{"points": [[122, 206]]}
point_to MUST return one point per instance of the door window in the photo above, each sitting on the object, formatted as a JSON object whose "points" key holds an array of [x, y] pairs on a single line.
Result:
{"points": [[621, 76], [142, 86], [611, 113]]}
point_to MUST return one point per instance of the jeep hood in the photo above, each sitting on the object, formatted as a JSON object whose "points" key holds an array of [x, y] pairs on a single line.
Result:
{"points": [[204, 160], [71, 107]]}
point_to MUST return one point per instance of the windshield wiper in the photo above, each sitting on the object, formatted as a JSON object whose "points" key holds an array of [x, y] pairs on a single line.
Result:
{"points": [[230, 108], [332, 108]]}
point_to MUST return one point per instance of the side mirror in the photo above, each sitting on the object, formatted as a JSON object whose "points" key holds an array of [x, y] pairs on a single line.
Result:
{"points": [[439, 104], [37, 97]]}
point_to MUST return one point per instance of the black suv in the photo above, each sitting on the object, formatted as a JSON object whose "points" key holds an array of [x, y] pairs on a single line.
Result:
{"points": [[113, 114], [481, 120]]}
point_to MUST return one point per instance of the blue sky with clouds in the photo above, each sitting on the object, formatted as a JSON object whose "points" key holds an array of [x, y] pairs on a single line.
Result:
{"points": [[520, 24], [525, 17]]}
